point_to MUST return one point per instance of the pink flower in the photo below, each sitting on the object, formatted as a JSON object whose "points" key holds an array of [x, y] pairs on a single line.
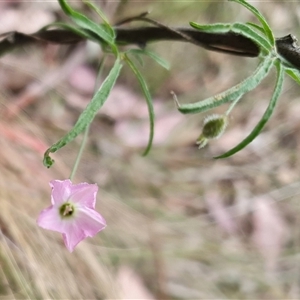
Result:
{"points": [[72, 212]]}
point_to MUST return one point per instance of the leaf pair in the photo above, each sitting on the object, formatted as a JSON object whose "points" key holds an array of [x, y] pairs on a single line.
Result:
{"points": [[104, 32], [266, 116]]}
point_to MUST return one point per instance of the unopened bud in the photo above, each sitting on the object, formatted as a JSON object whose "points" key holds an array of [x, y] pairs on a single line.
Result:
{"points": [[213, 128]]}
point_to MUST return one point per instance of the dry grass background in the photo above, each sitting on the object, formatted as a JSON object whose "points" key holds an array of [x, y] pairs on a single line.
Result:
{"points": [[180, 225]]}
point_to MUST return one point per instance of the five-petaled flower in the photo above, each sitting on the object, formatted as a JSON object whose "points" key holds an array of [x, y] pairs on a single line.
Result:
{"points": [[72, 212]]}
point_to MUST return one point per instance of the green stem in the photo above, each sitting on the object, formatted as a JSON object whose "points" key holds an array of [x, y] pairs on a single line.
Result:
{"points": [[83, 143], [233, 105]]}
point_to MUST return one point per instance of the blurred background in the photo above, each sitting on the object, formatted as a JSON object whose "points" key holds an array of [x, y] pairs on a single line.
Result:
{"points": [[180, 224]]}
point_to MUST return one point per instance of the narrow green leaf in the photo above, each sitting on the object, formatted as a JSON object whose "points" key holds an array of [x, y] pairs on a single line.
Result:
{"points": [[151, 54], [88, 114], [257, 27], [147, 95], [138, 58], [238, 28], [265, 118], [86, 23], [102, 16], [261, 18], [97, 10], [212, 28], [231, 94], [293, 73], [248, 32], [77, 30]]}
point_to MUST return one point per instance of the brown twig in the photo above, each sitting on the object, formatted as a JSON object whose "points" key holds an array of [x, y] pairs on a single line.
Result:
{"points": [[230, 43]]}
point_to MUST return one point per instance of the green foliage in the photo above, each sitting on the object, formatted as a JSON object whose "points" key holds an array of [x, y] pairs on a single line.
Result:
{"points": [[77, 30], [154, 56], [266, 116], [84, 22], [104, 34], [88, 114], [264, 38], [238, 28], [231, 94], [293, 73], [148, 98], [267, 30]]}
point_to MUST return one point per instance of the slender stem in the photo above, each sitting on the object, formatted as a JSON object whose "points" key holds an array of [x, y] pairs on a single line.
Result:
{"points": [[233, 105], [83, 143]]}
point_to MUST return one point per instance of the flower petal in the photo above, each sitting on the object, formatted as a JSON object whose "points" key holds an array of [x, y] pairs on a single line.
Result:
{"points": [[84, 194], [50, 219], [61, 190], [73, 236], [90, 221]]}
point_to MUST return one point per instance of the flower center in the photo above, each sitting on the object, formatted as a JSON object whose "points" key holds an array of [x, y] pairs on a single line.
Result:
{"points": [[66, 210]]}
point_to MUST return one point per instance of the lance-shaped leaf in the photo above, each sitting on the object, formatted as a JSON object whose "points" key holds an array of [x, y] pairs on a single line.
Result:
{"points": [[257, 27], [86, 23], [265, 118], [77, 30], [261, 18], [148, 98], [293, 73], [231, 94], [102, 16], [151, 54], [248, 32], [238, 28], [88, 114]]}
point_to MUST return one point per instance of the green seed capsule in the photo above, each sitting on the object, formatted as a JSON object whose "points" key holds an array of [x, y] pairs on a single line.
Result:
{"points": [[213, 128]]}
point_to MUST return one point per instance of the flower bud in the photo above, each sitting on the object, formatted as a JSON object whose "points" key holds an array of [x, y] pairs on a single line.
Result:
{"points": [[213, 128]]}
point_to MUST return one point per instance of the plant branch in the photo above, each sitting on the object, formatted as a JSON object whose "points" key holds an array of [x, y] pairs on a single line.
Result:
{"points": [[229, 43]]}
